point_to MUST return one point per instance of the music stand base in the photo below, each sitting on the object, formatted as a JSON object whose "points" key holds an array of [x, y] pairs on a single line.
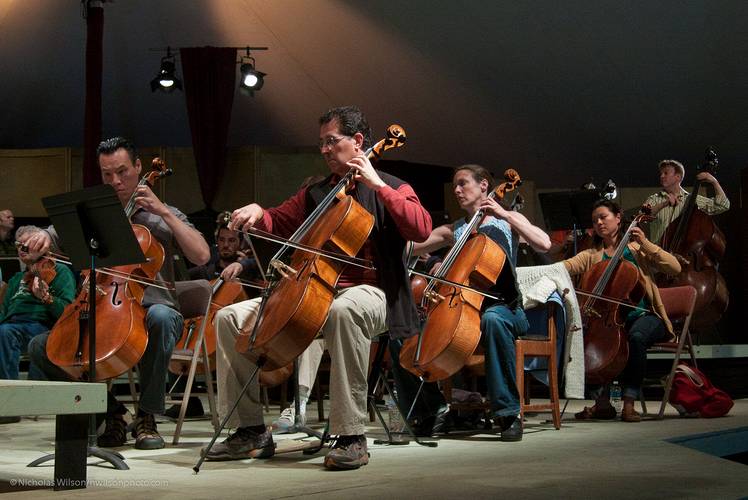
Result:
{"points": [[113, 457]]}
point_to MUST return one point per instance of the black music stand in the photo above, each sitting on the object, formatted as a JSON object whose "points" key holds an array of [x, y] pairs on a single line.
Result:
{"points": [[95, 232], [565, 210]]}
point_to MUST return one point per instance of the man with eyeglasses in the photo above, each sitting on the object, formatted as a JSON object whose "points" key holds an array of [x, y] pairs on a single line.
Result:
{"points": [[30, 307], [368, 302]]}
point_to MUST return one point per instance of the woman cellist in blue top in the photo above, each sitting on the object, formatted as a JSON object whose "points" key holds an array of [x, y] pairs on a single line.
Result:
{"points": [[501, 322]]}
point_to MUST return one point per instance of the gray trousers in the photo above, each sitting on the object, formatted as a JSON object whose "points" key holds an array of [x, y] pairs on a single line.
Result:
{"points": [[357, 315]]}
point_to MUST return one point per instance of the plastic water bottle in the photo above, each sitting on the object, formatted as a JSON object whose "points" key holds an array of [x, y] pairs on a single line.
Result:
{"points": [[395, 419], [615, 396]]}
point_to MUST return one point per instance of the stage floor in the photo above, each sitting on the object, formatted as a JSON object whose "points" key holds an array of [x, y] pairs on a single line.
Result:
{"points": [[582, 460]]}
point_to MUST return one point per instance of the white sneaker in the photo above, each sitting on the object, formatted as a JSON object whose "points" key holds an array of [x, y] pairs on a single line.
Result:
{"points": [[286, 420]]}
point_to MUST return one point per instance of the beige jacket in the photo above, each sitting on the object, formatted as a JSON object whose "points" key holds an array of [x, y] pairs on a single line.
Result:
{"points": [[650, 259]]}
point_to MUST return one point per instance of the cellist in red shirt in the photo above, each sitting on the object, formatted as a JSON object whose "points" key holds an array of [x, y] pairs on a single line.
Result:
{"points": [[367, 303]]}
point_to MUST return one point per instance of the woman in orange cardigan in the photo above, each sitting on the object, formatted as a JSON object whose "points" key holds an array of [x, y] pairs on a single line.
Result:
{"points": [[643, 328]]}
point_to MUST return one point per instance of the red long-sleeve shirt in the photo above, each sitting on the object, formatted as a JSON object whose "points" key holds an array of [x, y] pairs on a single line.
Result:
{"points": [[412, 220]]}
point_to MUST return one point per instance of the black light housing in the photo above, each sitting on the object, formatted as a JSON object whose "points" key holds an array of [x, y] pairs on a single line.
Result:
{"points": [[251, 79], [166, 80]]}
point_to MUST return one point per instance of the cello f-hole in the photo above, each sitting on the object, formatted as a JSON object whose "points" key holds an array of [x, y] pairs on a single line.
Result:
{"points": [[115, 300]]}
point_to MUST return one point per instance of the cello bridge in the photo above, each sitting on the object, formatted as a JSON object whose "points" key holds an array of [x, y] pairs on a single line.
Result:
{"points": [[592, 312], [682, 260], [433, 296], [282, 268]]}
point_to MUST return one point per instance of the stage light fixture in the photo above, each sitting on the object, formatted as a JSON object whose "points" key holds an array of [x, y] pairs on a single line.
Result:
{"points": [[251, 79], [166, 80]]}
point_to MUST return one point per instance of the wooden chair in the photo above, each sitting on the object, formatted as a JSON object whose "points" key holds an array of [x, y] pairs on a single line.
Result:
{"points": [[679, 304], [540, 344]]}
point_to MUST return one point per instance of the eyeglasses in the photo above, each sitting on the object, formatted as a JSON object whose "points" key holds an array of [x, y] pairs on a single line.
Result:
{"points": [[330, 141]]}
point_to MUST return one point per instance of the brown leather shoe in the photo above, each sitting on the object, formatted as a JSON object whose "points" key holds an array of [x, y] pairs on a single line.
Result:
{"points": [[595, 413], [629, 414]]}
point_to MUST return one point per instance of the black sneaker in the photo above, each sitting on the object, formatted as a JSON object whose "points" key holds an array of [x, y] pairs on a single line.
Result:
{"points": [[244, 443], [513, 432], [441, 423], [145, 433], [348, 452], [503, 423], [194, 409], [115, 432], [9, 420]]}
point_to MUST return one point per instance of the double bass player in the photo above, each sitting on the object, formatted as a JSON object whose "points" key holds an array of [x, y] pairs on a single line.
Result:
{"points": [[667, 204]]}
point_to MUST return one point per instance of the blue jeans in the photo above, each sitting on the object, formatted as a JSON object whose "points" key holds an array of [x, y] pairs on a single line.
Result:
{"points": [[500, 326], [14, 339], [164, 326]]}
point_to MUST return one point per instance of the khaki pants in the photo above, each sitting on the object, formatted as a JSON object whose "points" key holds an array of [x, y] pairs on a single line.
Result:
{"points": [[309, 361], [357, 315]]}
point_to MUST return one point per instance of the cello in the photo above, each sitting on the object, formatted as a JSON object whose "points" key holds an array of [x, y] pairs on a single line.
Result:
{"points": [[298, 304], [605, 287], [452, 329], [120, 316], [699, 245]]}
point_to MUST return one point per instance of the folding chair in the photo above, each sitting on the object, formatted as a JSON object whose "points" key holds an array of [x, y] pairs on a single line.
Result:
{"points": [[679, 303], [194, 301]]}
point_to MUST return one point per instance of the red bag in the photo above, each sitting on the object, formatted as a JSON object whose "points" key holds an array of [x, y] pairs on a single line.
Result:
{"points": [[693, 393]]}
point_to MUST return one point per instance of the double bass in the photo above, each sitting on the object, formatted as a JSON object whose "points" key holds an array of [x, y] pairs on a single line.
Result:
{"points": [[699, 245], [299, 302], [605, 287], [120, 317], [452, 329]]}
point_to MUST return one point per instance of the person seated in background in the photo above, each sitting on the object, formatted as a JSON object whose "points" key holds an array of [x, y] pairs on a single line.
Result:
{"points": [[7, 242], [308, 365], [227, 261], [7, 222], [31, 306]]}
